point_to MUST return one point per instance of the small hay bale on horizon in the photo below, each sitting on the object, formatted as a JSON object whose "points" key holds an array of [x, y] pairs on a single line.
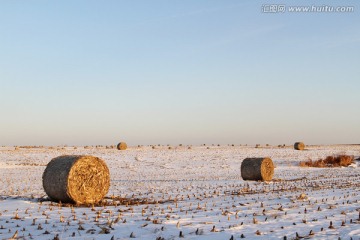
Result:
{"points": [[121, 146], [79, 179], [257, 169], [299, 146]]}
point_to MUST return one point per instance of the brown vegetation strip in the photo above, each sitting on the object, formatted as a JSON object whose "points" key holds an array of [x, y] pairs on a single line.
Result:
{"points": [[329, 161]]}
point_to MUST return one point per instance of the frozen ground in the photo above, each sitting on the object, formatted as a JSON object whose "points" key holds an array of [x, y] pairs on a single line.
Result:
{"points": [[197, 192]]}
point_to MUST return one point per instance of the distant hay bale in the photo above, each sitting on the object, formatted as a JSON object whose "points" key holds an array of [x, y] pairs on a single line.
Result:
{"points": [[80, 179], [257, 169], [121, 146], [299, 146]]}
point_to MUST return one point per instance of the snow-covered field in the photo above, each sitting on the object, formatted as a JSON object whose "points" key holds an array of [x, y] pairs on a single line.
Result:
{"points": [[195, 193]]}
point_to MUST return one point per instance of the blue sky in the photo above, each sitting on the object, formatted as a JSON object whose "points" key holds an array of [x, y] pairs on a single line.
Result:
{"points": [[170, 72]]}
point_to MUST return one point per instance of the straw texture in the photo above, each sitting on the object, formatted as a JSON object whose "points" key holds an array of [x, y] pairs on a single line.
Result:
{"points": [[79, 179], [257, 169]]}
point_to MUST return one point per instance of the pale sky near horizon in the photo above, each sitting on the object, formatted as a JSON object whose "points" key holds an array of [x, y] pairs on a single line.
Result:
{"points": [[170, 72]]}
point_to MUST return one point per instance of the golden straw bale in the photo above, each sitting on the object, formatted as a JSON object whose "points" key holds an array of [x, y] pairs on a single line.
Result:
{"points": [[257, 169], [122, 146], [299, 146], [76, 178]]}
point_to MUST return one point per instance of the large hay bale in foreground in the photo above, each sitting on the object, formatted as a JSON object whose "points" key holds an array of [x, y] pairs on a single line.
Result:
{"points": [[299, 146], [79, 179], [257, 169], [121, 146]]}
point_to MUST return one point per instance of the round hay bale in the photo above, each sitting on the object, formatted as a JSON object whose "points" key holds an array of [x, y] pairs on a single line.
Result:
{"points": [[121, 146], [257, 169], [79, 179], [299, 146]]}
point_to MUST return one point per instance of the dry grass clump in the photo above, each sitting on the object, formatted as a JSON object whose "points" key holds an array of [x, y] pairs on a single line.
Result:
{"points": [[329, 161]]}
